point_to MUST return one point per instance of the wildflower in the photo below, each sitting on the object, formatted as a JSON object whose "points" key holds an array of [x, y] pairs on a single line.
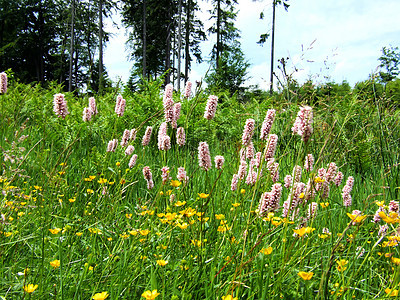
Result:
{"points": [[125, 138], [188, 90], [144, 232], [182, 226], [393, 206], [55, 263], [3, 83], [55, 230], [168, 103], [392, 292], [324, 204], [312, 210], [309, 162], [242, 191], [267, 124], [100, 296], [180, 203], [150, 295], [112, 145], [177, 114], [356, 217], [79, 233], [242, 169], [288, 181], [331, 172], [234, 183], [341, 265], [380, 203], [305, 275], [304, 230], [303, 123], [180, 136], [250, 151], [248, 132], [182, 175], [266, 251], [395, 260], [120, 105], [338, 178], [162, 262], [132, 161], [390, 219], [219, 162], [203, 195], [93, 106], [30, 288], [229, 297], [269, 201], [175, 183], [211, 107], [60, 106], [89, 191], [147, 136], [346, 191], [204, 156], [86, 114], [149, 177], [271, 146]]}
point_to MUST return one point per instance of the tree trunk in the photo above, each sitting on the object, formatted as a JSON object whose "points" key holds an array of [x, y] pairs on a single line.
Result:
{"points": [[187, 40], [271, 84], [144, 73], [168, 49], [218, 33], [100, 46], [71, 50]]}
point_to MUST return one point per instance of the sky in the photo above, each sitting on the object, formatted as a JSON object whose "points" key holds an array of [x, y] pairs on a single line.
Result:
{"points": [[325, 40]]}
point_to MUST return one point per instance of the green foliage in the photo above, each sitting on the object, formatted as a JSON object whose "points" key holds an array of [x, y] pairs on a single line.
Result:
{"points": [[389, 61]]}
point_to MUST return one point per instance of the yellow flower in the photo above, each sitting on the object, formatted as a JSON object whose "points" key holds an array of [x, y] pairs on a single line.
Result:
{"points": [[305, 275], [102, 180], [391, 293], [100, 296], [203, 196], [220, 216], [55, 263], [356, 218], [341, 265], [175, 183], [266, 251], [79, 233], [242, 191], [150, 295], [235, 204], [395, 260], [144, 232], [324, 204], [323, 236], [301, 196], [117, 163], [161, 193], [90, 178], [72, 200], [162, 262], [128, 216], [55, 230], [182, 226], [392, 218], [304, 230], [319, 180], [30, 288], [180, 203], [229, 297], [380, 203]]}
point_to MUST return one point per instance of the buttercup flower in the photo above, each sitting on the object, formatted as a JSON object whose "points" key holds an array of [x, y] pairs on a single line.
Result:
{"points": [[150, 295], [305, 275], [30, 288], [100, 296], [55, 263]]}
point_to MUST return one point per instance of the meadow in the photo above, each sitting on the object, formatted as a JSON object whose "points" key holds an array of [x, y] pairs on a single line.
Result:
{"points": [[282, 198]]}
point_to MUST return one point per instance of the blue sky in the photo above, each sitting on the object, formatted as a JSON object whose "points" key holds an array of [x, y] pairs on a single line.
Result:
{"points": [[324, 39]]}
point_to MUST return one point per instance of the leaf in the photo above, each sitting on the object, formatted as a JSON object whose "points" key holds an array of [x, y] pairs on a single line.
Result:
{"points": [[262, 15], [263, 38]]}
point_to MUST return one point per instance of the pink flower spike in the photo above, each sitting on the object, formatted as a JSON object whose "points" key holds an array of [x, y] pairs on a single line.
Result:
{"points": [[3, 83], [125, 138], [132, 161], [219, 162], [211, 107], [60, 106], [182, 175], [188, 90], [93, 106], [204, 156], [129, 150], [248, 132], [267, 124], [120, 106], [87, 114], [180, 136], [147, 136]]}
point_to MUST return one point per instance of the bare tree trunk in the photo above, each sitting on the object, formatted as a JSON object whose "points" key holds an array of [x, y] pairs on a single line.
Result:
{"points": [[187, 40], [101, 47], [179, 45], [218, 32], [168, 50], [271, 84], [71, 51], [144, 39]]}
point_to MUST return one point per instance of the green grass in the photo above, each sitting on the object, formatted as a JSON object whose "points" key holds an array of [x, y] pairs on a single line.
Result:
{"points": [[113, 231]]}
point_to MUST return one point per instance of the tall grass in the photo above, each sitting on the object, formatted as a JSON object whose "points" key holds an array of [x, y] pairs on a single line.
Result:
{"points": [[65, 198]]}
